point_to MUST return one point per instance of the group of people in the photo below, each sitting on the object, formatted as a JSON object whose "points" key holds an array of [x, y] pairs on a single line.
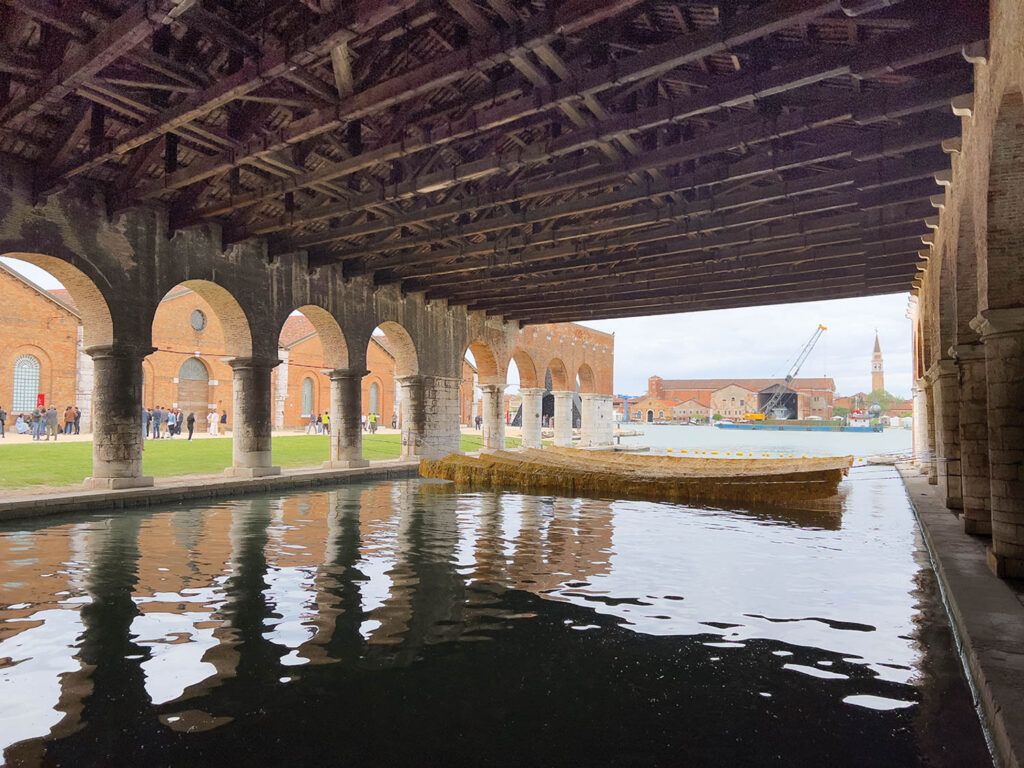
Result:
{"points": [[44, 421], [319, 423], [163, 422]]}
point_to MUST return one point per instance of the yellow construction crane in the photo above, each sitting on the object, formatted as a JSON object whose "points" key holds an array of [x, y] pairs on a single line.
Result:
{"points": [[773, 401]]}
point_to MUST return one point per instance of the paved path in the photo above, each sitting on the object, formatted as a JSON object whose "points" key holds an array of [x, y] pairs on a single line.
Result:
{"points": [[987, 614]]}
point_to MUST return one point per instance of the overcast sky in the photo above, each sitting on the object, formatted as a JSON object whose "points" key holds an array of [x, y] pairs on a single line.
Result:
{"points": [[756, 342]]}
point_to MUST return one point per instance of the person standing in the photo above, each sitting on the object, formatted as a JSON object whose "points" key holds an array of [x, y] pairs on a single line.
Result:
{"points": [[212, 420], [224, 421], [373, 423], [3, 420], [327, 423], [51, 423], [172, 421], [146, 416], [158, 414], [36, 420], [69, 420], [394, 421], [190, 422], [319, 423], [311, 427], [78, 420]]}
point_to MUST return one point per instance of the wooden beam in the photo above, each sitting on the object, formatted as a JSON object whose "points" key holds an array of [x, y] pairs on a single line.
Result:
{"points": [[341, 65]]}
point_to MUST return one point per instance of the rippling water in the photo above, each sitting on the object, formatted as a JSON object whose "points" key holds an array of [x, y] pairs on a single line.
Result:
{"points": [[405, 624]]}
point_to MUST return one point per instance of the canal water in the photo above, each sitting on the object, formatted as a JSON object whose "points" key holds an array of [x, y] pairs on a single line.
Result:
{"points": [[404, 624]]}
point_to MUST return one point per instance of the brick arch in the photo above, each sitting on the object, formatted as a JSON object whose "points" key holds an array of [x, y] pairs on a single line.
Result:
{"points": [[237, 333], [486, 361], [91, 306], [527, 369], [559, 376], [588, 381], [332, 337], [402, 346], [1002, 274]]}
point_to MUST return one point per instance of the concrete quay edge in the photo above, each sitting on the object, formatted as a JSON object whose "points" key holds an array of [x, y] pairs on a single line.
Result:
{"points": [[987, 617], [196, 488]]}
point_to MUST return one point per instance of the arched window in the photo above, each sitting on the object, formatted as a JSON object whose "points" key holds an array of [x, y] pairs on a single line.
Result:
{"points": [[26, 383], [307, 396], [193, 370], [374, 397]]}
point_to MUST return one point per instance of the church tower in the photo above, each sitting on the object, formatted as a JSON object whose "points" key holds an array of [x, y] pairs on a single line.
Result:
{"points": [[877, 375]]}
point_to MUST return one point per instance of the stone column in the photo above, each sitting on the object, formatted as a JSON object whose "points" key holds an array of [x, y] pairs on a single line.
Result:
{"points": [[533, 401], [117, 418], [346, 419], [929, 467], [972, 409], [946, 392], [493, 418], [1002, 333], [589, 417], [920, 432], [430, 416], [251, 417], [563, 418]]}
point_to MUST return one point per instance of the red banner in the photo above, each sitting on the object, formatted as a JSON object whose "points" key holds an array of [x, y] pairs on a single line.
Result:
{"points": [[40, 401]]}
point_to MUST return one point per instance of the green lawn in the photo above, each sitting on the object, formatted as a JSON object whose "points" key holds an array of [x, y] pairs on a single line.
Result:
{"points": [[55, 464]]}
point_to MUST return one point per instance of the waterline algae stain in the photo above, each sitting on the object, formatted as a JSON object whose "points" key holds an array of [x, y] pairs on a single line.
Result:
{"points": [[384, 625]]}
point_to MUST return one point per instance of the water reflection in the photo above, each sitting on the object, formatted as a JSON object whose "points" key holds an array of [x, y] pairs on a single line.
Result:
{"points": [[490, 628]]}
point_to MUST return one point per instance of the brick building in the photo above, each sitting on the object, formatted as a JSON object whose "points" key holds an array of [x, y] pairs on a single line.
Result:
{"points": [[44, 357], [684, 399]]}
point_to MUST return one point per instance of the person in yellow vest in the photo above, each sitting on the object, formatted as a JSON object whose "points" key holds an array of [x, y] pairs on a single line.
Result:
{"points": [[373, 423], [327, 423]]}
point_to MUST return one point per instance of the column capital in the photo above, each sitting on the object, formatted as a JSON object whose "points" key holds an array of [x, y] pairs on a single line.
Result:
{"points": [[965, 352], [122, 351], [531, 391], [337, 374], [491, 388], [998, 322], [940, 369], [562, 392], [246, 363]]}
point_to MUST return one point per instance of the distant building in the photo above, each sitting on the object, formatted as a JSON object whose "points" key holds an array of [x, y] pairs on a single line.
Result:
{"points": [[679, 399]]}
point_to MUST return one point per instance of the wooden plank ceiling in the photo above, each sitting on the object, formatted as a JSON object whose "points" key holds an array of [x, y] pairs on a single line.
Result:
{"points": [[543, 160]]}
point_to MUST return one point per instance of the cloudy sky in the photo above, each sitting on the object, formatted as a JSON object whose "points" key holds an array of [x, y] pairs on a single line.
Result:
{"points": [[744, 343]]}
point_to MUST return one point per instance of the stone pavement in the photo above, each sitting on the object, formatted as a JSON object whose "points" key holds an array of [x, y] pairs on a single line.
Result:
{"points": [[987, 615], [197, 487]]}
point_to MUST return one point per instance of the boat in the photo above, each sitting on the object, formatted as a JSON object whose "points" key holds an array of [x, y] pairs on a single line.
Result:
{"points": [[803, 426]]}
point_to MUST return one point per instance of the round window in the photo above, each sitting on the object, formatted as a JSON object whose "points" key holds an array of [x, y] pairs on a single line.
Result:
{"points": [[198, 320]]}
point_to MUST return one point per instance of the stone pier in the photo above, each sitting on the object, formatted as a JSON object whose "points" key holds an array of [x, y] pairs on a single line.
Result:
{"points": [[346, 422], [972, 410], [563, 418], [533, 400], [253, 418], [946, 390], [493, 426]]}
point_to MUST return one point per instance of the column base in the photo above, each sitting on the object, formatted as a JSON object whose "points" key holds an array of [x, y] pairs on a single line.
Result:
{"points": [[954, 503], [251, 472], [977, 527], [116, 483], [1005, 567], [345, 464]]}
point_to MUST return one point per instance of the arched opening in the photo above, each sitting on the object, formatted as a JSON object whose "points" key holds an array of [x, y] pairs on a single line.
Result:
{"points": [[308, 400], [193, 397], [61, 312], [557, 378], [198, 326], [526, 368], [25, 392], [309, 344], [374, 397], [650, 416], [390, 356], [587, 380], [487, 402]]}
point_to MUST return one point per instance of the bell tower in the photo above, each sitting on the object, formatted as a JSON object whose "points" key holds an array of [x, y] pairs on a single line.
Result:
{"points": [[877, 374]]}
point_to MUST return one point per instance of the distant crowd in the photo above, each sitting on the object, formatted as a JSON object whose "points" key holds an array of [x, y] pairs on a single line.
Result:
{"points": [[44, 423], [163, 422], [320, 423]]}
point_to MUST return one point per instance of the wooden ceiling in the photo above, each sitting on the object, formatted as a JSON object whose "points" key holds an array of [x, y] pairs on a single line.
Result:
{"points": [[541, 160]]}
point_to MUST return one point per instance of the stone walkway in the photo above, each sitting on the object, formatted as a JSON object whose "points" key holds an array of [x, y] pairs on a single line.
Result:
{"points": [[167, 490], [987, 615]]}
